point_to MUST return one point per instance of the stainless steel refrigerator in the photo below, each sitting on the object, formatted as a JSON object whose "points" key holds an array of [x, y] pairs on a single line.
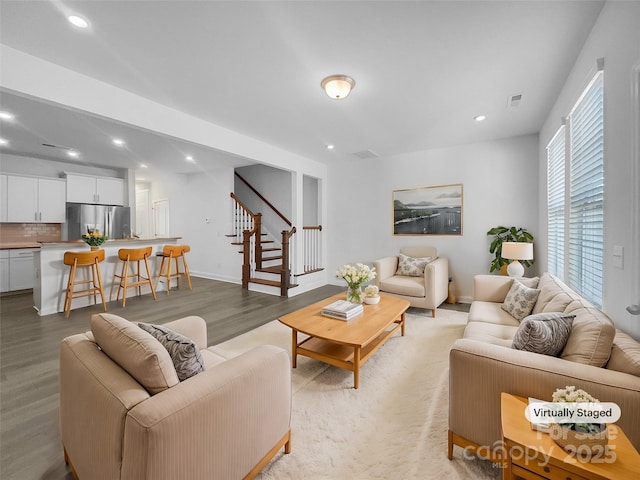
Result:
{"points": [[115, 222]]}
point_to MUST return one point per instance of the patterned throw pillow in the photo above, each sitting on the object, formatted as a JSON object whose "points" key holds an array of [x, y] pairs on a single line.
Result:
{"points": [[546, 333], [184, 353], [412, 267], [520, 300]]}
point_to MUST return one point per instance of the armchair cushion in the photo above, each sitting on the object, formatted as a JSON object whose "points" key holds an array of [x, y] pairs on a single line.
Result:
{"points": [[403, 285], [184, 353], [136, 351], [412, 266]]}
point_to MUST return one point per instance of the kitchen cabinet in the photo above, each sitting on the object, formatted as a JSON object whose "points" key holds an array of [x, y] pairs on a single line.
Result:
{"points": [[32, 199], [91, 189], [21, 269], [4, 270], [3, 199]]}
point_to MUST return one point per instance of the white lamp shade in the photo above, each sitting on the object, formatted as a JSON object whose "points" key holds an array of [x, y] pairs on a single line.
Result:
{"points": [[338, 86], [517, 250]]}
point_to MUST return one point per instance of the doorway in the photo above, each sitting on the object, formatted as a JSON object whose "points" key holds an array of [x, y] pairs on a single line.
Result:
{"points": [[161, 218]]}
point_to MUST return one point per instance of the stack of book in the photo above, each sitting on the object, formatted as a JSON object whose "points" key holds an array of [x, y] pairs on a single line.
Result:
{"points": [[342, 310]]}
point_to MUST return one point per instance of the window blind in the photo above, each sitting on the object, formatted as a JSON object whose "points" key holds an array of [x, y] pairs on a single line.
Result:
{"points": [[555, 203], [586, 186]]}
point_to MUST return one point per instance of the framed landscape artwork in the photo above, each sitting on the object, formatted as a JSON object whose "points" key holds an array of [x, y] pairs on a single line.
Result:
{"points": [[428, 210]]}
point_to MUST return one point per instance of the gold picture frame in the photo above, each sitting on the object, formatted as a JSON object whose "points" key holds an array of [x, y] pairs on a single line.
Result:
{"points": [[435, 210]]}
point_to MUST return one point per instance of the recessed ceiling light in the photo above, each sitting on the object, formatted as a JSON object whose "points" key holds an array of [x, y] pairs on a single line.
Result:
{"points": [[4, 141], [73, 154], [480, 118], [142, 165], [189, 158], [78, 21], [6, 116], [330, 147], [118, 141]]}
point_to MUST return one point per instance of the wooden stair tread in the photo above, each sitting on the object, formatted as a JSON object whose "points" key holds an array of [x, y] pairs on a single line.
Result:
{"points": [[273, 269], [271, 283]]}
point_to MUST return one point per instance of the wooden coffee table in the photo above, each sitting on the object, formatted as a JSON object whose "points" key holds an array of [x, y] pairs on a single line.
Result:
{"points": [[343, 344], [534, 455]]}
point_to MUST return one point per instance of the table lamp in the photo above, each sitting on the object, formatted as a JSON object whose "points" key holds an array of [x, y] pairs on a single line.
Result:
{"points": [[516, 251]]}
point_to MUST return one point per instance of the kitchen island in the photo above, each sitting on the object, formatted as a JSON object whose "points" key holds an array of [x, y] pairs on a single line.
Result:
{"points": [[52, 274]]}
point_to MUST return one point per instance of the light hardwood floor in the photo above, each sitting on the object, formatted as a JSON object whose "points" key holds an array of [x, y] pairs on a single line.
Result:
{"points": [[30, 442]]}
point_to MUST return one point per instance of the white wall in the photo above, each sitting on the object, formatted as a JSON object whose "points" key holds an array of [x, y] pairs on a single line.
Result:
{"points": [[48, 168], [616, 38], [360, 203]]}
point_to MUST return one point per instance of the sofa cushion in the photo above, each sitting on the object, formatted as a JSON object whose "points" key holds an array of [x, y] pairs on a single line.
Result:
{"points": [[412, 266], [520, 300], [184, 353], [591, 336], [136, 351], [625, 354], [401, 285], [490, 312], [494, 334], [211, 358], [554, 295], [545, 333]]}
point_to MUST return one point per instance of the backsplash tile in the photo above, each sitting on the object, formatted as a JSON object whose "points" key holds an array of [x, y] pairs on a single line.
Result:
{"points": [[30, 232]]}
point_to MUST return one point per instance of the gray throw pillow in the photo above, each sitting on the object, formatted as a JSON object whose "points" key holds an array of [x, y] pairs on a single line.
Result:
{"points": [[183, 351], [520, 300], [545, 333], [411, 266]]}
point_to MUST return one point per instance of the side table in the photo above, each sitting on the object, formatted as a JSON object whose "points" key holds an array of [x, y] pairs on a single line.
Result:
{"points": [[530, 454]]}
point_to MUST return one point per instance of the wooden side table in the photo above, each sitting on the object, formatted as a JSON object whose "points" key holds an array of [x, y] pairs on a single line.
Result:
{"points": [[530, 454]]}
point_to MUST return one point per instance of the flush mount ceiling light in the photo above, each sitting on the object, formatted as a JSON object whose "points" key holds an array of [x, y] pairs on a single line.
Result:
{"points": [[77, 21], [338, 86]]}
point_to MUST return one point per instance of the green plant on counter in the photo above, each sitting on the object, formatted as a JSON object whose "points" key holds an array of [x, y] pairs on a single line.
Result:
{"points": [[506, 234]]}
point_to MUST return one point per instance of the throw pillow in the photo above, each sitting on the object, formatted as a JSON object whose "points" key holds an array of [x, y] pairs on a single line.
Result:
{"points": [[412, 267], [545, 333], [184, 353], [520, 300]]}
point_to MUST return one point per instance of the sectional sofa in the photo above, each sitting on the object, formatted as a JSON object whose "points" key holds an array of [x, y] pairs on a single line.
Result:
{"points": [[597, 357]]}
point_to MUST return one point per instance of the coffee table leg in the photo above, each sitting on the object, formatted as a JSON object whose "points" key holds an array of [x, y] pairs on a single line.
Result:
{"points": [[402, 318], [294, 347], [356, 367]]}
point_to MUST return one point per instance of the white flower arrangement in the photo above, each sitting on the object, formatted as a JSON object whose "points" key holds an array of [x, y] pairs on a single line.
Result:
{"points": [[356, 275], [371, 291], [570, 394]]}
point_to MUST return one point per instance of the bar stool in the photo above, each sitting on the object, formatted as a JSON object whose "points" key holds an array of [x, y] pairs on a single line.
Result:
{"points": [[128, 256], [94, 285], [173, 252]]}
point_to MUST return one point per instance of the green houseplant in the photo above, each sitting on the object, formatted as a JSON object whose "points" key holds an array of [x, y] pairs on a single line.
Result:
{"points": [[506, 234]]}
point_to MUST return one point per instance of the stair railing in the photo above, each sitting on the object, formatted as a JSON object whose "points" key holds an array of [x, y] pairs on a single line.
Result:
{"points": [[312, 248], [285, 271]]}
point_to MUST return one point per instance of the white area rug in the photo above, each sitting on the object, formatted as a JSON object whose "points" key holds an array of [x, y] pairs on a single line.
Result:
{"points": [[393, 427]]}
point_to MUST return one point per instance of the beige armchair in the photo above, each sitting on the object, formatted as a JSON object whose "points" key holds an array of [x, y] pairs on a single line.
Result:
{"points": [[134, 419], [428, 290]]}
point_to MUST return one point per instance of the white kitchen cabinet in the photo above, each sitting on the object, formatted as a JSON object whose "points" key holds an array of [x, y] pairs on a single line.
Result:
{"points": [[91, 189], [32, 199], [21, 269], [4, 270], [3, 199]]}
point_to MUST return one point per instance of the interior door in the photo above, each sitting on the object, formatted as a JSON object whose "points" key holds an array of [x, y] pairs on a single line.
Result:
{"points": [[161, 218]]}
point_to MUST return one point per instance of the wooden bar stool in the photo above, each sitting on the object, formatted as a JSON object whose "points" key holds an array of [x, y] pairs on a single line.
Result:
{"points": [[128, 256], [169, 253], [94, 284]]}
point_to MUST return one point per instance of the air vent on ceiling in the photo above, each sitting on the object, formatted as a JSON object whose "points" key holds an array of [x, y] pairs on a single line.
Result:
{"points": [[364, 154], [55, 146], [514, 100]]}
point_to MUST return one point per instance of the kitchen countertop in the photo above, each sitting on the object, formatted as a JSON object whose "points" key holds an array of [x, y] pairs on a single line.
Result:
{"points": [[31, 244]]}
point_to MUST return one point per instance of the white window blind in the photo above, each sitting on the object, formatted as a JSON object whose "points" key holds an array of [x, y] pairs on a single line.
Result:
{"points": [[555, 203], [586, 190]]}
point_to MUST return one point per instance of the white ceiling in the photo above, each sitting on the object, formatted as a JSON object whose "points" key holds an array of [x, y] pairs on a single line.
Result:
{"points": [[423, 70]]}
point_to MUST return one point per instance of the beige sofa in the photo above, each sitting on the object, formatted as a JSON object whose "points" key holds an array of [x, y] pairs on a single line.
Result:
{"points": [[597, 358], [134, 419], [426, 291]]}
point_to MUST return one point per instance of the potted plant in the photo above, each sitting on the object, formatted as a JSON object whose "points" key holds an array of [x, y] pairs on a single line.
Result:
{"points": [[506, 234], [371, 296]]}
